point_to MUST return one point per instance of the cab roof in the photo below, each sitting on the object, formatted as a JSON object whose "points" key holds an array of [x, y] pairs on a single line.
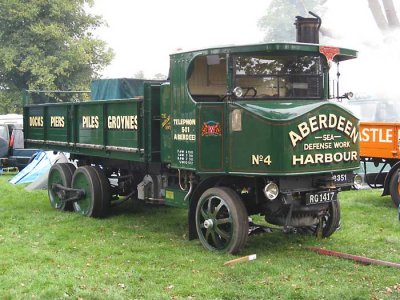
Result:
{"points": [[342, 53]]}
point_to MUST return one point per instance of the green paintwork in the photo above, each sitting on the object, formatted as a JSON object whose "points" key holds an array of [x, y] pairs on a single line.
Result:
{"points": [[280, 110], [181, 106], [211, 145], [55, 178], [165, 126], [81, 181], [270, 47], [92, 135], [266, 124], [175, 197], [151, 122], [265, 132]]}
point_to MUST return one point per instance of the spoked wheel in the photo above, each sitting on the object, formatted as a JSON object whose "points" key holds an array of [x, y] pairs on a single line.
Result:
{"points": [[330, 222], [395, 188], [221, 220], [92, 204], [59, 174]]}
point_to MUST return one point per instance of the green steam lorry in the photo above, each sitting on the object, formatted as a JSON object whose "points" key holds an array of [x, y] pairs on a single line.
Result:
{"points": [[235, 131]]}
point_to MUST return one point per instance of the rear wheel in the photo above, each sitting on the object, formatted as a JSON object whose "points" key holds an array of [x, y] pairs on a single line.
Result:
{"points": [[59, 174], [105, 191], [91, 204], [221, 220], [395, 188], [71, 168]]}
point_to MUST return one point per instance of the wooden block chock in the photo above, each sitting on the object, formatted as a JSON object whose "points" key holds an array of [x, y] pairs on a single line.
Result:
{"points": [[240, 259]]}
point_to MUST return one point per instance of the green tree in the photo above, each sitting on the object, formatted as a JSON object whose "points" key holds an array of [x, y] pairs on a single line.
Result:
{"points": [[48, 45], [278, 21]]}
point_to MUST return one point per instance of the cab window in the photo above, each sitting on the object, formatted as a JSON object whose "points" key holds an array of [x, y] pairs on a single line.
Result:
{"points": [[207, 78], [280, 76]]}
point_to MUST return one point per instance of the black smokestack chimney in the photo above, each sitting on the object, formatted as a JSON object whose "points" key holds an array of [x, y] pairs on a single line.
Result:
{"points": [[307, 29]]}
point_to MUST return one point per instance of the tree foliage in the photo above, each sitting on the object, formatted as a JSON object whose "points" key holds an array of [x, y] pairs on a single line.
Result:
{"points": [[278, 21], [49, 45]]}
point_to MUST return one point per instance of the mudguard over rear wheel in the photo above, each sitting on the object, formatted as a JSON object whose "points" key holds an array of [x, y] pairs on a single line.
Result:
{"points": [[221, 220]]}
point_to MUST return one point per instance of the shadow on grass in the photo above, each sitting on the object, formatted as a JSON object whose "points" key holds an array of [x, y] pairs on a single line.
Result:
{"points": [[173, 221], [156, 218]]}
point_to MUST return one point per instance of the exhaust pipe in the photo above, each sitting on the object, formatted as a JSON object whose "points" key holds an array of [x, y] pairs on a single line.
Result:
{"points": [[307, 29]]}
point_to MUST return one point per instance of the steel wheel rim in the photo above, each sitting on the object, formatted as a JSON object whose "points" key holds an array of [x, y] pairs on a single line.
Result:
{"points": [[55, 178], [215, 223], [81, 181]]}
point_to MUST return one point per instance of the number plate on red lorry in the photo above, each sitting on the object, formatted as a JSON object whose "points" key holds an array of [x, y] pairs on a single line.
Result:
{"points": [[320, 197]]}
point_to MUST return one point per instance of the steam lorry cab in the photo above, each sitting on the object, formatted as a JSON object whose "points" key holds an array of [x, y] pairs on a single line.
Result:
{"points": [[235, 131]]}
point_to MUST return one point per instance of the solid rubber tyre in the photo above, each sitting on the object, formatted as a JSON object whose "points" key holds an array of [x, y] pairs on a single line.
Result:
{"points": [[59, 174], [222, 220], [71, 168], [90, 204], [105, 201], [395, 188], [330, 222]]}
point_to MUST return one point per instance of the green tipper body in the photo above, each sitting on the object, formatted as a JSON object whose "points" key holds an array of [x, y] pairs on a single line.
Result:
{"points": [[113, 129]]}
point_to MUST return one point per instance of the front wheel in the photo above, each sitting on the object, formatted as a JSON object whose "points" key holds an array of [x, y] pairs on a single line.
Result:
{"points": [[329, 222], [221, 220]]}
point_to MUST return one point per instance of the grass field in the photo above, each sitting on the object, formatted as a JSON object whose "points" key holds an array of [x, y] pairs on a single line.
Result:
{"points": [[144, 253]]}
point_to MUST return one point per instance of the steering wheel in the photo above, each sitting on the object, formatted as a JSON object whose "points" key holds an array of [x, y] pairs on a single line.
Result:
{"points": [[248, 89], [223, 97]]}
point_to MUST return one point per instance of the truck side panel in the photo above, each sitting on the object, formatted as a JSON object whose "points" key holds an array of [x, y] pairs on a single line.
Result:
{"points": [[184, 125], [33, 123], [211, 134], [111, 129], [58, 131]]}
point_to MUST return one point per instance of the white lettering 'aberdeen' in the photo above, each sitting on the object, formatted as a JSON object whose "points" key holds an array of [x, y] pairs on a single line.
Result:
{"points": [[323, 121]]}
